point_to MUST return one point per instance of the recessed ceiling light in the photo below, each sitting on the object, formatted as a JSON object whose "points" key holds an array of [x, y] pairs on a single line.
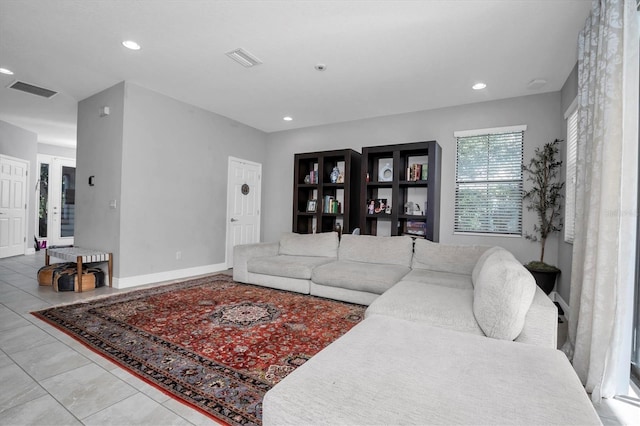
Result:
{"points": [[536, 84], [478, 86], [287, 118], [6, 71], [130, 44], [244, 58]]}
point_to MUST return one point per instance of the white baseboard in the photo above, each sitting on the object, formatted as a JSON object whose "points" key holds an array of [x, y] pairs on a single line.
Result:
{"points": [[167, 276], [564, 305]]}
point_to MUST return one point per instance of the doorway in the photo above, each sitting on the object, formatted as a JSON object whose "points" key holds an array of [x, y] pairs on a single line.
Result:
{"points": [[13, 205], [244, 191], [56, 201]]}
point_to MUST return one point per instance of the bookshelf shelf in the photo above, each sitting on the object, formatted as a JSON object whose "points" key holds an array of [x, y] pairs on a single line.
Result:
{"points": [[415, 182], [342, 196]]}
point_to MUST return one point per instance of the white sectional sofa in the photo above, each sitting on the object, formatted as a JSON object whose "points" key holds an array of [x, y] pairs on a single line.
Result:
{"points": [[440, 318]]}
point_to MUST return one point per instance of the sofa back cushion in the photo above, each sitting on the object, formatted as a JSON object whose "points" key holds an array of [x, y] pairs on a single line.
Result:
{"points": [[457, 259], [372, 249], [502, 296], [322, 245]]}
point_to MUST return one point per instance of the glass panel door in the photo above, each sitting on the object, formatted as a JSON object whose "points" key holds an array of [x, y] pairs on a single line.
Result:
{"points": [[67, 201], [57, 199], [43, 201]]}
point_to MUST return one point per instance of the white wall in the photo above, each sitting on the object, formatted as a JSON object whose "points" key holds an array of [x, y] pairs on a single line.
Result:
{"points": [[99, 154], [167, 166], [56, 150], [541, 113], [20, 143]]}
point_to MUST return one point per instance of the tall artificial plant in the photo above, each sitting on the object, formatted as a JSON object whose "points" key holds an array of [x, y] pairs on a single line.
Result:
{"points": [[545, 196]]}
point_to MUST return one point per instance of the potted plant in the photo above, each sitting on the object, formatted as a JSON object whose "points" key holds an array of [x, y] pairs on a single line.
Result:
{"points": [[544, 198]]}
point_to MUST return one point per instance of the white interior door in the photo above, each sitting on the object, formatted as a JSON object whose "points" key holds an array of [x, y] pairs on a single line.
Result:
{"points": [[244, 190], [13, 205]]}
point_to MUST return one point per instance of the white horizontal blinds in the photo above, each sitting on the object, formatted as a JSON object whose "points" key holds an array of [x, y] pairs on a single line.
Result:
{"points": [[488, 195], [571, 169]]}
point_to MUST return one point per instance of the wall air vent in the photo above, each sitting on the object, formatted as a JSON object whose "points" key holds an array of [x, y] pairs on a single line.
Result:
{"points": [[34, 90], [244, 58]]}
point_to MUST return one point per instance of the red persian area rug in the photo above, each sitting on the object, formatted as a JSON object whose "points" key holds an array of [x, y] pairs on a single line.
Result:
{"points": [[210, 342]]}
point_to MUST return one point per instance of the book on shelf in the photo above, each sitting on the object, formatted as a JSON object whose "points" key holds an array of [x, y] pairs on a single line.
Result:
{"points": [[416, 227], [417, 172], [331, 205]]}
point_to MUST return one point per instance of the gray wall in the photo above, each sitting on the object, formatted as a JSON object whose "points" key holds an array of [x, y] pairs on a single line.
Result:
{"points": [[20, 143], [99, 154], [565, 250], [541, 113], [56, 151], [166, 164]]}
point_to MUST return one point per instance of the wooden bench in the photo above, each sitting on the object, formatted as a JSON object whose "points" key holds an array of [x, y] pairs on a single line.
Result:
{"points": [[80, 255]]}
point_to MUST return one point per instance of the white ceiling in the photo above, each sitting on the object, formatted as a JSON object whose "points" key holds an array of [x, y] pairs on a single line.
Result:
{"points": [[382, 57]]}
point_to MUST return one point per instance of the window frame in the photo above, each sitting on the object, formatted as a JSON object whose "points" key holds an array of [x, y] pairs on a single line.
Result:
{"points": [[495, 136], [571, 169]]}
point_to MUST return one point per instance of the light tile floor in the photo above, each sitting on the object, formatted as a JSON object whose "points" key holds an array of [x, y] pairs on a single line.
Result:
{"points": [[48, 378]]}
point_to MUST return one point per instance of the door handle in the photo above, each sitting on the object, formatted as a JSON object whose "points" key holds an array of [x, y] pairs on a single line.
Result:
{"points": [[234, 220]]}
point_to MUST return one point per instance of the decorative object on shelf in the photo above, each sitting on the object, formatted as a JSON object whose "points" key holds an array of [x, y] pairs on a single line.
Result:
{"points": [[386, 173], [245, 189], [409, 207], [425, 171], [544, 199], [307, 179], [371, 205], [341, 177], [312, 206], [388, 209], [334, 175], [380, 205]]}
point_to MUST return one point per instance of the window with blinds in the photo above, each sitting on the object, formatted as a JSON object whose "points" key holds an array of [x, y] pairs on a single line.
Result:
{"points": [[488, 196], [570, 179]]}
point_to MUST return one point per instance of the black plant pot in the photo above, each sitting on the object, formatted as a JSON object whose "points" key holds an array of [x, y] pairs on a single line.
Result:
{"points": [[545, 278]]}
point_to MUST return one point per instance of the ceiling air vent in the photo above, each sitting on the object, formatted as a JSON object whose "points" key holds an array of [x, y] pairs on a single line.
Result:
{"points": [[34, 90], [244, 58]]}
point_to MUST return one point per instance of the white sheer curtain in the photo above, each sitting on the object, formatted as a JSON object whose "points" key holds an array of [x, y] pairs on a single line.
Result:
{"points": [[606, 191]]}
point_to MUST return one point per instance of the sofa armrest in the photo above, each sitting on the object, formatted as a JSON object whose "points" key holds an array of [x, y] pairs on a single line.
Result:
{"points": [[244, 252], [541, 322]]}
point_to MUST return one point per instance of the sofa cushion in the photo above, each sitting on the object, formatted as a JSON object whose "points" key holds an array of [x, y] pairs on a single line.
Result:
{"points": [[372, 249], [439, 306], [502, 296], [286, 266], [324, 244], [387, 371], [457, 259], [480, 263], [359, 276], [444, 279]]}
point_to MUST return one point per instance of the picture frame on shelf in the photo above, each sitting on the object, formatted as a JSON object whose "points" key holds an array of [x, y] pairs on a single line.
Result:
{"points": [[312, 206]]}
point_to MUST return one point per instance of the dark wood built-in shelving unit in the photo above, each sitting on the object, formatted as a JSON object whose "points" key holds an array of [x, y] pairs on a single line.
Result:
{"points": [[348, 192], [401, 188]]}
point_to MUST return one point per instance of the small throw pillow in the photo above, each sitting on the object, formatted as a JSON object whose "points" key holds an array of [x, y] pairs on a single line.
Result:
{"points": [[324, 244], [480, 263], [502, 296]]}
